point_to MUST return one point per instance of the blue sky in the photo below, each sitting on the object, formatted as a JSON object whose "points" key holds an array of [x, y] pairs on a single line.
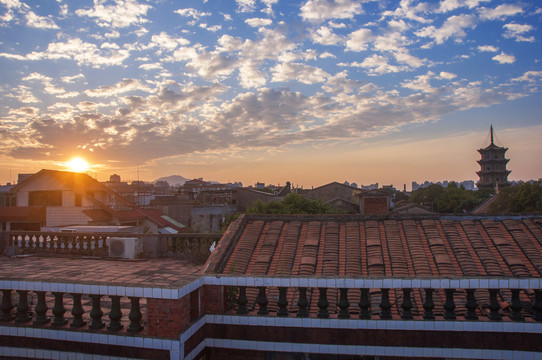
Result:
{"points": [[302, 91]]}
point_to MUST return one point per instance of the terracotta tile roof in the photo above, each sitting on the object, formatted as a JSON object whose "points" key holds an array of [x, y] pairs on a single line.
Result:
{"points": [[349, 246]]}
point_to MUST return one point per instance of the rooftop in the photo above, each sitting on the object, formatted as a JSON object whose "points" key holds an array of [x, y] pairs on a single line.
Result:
{"points": [[356, 246], [163, 272]]}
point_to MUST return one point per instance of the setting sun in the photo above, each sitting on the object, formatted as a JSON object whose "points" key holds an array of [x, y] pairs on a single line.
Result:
{"points": [[78, 164]]}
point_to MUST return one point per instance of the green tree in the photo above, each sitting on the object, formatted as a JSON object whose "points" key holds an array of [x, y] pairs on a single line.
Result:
{"points": [[522, 198], [292, 204], [452, 199]]}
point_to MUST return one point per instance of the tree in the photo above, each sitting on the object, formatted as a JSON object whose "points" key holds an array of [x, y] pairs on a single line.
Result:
{"points": [[292, 204], [522, 198], [452, 199]]}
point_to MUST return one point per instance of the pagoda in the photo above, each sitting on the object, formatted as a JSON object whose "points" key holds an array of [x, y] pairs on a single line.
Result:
{"points": [[493, 171]]}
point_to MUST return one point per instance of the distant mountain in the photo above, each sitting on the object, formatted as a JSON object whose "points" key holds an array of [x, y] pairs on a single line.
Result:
{"points": [[173, 180]]}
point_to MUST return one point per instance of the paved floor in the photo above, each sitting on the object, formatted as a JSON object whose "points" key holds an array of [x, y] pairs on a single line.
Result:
{"points": [[163, 272]]}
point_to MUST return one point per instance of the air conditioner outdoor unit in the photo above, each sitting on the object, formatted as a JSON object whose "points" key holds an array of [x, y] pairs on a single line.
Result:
{"points": [[124, 247]]}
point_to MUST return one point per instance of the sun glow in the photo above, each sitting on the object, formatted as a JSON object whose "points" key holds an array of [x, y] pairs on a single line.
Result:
{"points": [[78, 164]]}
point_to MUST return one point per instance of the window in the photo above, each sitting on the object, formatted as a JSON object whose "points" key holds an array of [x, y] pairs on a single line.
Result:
{"points": [[77, 199], [45, 198]]}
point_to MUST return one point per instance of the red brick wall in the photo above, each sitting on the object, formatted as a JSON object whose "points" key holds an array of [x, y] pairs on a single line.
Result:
{"points": [[168, 318], [213, 299], [375, 206]]}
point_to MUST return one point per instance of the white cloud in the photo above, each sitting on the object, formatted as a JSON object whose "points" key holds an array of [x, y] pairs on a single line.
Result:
{"points": [[49, 87], [112, 35], [24, 94], [258, 22], [193, 13], [40, 22], [124, 86], [420, 83], [488, 48], [123, 13], [213, 28], [325, 36], [269, 6], [210, 65], [516, 31], [378, 65], [108, 45], [166, 43], [450, 5], [503, 58], [83, 53], [321, 10], [407, 11], [335, 25], [72, 79], [150, 66], [529, 76], [302, 73], [453, 27], [246, 5], [250, 76], [446, 75], [500, 12], [359, 39], [326, 55]]}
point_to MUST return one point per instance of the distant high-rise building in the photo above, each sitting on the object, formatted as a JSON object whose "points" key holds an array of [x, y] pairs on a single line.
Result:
{"points": [[493, 166]]}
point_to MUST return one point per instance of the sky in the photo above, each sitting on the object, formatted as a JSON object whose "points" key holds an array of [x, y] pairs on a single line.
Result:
{"points": [[272, 91]]}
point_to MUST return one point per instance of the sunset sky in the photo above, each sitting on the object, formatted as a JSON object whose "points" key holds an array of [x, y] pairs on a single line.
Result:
{"points": [[303, 91]]}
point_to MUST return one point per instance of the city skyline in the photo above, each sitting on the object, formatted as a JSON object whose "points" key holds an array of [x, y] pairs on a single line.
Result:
{"points": [[308, 92]]}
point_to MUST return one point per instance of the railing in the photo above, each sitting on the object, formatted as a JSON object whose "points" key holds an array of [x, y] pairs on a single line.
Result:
{"points": [[520, 301], [32, 309], [97, 244]]}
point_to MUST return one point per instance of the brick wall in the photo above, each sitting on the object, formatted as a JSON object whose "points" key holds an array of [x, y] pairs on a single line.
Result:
{"points": [[168, 318], [375, 206], [213, 299]]}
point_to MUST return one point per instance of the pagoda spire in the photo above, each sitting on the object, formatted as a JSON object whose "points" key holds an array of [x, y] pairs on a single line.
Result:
{"points": [[491, 131]]}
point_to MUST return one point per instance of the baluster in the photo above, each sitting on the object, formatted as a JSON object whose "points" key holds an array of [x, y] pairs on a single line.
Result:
{"points": [[385, 305], [449, 305], [516, 306], [343, 304], [96, 313], [406, 305], [364, 305], [303, 303], [262, 301], [34, 241], [323, 304], [77, 312], [59, 310], [41, 309], [537, 307], [471, 305], [7, 306], [23, 314], [135, 316], [428, 305], [115, 314], [283, 302], [242, 301], [494, 306]]}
